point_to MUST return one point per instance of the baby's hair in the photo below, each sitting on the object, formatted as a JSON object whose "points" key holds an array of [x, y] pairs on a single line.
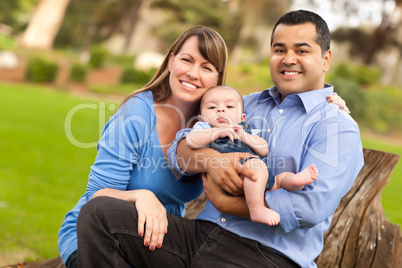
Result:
{"points": [[227, 87]]}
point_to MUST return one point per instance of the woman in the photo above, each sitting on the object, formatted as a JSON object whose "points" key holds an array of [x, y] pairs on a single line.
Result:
{"points": [[130, 164]]}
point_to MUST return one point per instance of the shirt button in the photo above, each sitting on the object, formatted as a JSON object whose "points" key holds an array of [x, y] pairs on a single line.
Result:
{"points": [[223, 220], [280, 111], [269, 130]]}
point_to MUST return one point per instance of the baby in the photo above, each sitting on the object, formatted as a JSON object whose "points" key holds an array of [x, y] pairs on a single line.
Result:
{"points": [[221, 126]]}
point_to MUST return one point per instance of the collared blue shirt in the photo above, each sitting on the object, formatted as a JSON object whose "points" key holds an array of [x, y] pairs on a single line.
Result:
{"points": [[301, 130]]}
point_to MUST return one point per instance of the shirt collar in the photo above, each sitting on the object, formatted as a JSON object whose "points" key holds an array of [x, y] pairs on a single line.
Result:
{"points": [[270, 93], [309, 99]]}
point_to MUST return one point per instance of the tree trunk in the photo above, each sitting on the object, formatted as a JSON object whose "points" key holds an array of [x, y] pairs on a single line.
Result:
{"points": [[133, 18], [385, 32], [45, 24], [238, 48], [360, 235]]}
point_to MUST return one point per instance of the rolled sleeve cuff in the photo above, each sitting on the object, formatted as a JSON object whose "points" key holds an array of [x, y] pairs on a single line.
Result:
{"points": [[171, 151], [279, 201]]}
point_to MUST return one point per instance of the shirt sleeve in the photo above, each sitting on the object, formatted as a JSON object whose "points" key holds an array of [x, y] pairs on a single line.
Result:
{"points": [[256, 132], [172, 151], [123, 138], [201, 125], [335, 148]]}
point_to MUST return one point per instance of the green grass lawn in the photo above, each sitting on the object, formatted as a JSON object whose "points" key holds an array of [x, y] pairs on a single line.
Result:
{"points": [[391, 199], [43, 172]]}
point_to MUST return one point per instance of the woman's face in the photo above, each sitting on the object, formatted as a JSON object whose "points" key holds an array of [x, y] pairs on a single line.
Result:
{"points": [[191, 75]]}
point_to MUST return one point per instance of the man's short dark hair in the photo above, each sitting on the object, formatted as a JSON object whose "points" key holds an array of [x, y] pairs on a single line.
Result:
{"points": [[304, 16]]}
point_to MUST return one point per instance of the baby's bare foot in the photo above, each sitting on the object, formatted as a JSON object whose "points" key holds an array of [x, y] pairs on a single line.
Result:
{"points": [[311, 173], [264, 215], [306, 176], [296, 182]]}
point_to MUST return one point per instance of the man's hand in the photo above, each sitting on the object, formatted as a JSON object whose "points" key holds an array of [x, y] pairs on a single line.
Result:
{"points": [[227, 172], [222, 201]]}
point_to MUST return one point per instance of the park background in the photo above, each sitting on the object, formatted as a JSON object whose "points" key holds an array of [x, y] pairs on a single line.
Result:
{"points": [[66, 64]]}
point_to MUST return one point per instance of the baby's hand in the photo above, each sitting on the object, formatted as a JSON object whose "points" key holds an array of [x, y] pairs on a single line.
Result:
{"points": [[223, 132], [239, 131]]}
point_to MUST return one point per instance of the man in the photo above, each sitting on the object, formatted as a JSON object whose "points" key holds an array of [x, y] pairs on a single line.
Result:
{"points": [[301, 129]]}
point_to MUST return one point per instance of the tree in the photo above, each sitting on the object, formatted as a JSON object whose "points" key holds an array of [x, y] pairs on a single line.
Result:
{"points": [[181, 15], [379, 44], [242, 23], [385, 32], [255, 15], [94, 21], [132, 19], [12, 14], [366, 44], [44, 24]]}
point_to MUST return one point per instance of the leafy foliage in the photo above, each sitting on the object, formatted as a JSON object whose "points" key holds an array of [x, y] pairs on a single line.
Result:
{"points": [[6, 43], [373, 105], [93, 21], [12, 13], [41, 70], [225, 17], [349, 90], [132, 75], [362, 74], [98, 56], [78, 72], [181, 15]]}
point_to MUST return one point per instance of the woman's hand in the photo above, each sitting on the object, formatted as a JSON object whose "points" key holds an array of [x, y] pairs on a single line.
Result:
{"points": [[336, 99], [151, 218]]}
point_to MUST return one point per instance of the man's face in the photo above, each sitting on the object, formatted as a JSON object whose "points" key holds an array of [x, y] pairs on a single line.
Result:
{"points": [[297, 64]]}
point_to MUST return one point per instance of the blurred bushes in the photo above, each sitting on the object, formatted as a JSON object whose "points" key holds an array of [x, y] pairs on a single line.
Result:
{"points": [[41, 70], [349, 90], [373, 105], [78, 73], [362, 74], [383, 109], [133, 76], [98, 56], [122, 60], [6, 42]]}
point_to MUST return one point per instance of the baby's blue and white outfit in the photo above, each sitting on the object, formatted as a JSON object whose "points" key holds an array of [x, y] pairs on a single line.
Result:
{"points": [[225, 145]]}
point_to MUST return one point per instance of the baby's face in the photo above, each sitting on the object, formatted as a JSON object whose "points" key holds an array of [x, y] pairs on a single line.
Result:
{"points": [[221, 106]]}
